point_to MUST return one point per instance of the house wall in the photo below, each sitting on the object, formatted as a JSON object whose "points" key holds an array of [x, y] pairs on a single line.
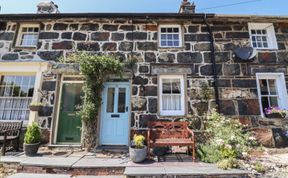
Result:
{"points": [[237, 80]]}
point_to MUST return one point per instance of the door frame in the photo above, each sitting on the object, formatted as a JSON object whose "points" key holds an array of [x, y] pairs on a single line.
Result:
{"points": [[58, 110], [128, 83]]}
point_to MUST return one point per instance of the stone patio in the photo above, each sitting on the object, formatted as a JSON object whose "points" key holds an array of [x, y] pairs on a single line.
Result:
{"points": [[80, 164]]}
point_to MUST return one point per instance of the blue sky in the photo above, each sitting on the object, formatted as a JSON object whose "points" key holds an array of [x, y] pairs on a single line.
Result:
{"points": [[259, 7]]}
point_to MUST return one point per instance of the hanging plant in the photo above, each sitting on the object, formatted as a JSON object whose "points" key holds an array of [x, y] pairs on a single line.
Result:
{"points": [[95, 69]]}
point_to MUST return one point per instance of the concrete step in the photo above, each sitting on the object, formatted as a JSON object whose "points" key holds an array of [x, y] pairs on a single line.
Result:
{"points": [[26, 175]]}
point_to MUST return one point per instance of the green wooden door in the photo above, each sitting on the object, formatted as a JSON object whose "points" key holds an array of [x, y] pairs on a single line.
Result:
{"points": [[69, 125]]}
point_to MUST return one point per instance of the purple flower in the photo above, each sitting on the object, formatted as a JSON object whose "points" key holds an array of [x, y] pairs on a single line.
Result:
{"points": [[275, 109]]}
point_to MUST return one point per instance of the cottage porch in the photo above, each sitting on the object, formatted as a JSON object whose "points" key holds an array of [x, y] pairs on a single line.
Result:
{"points": [[80, 164]]}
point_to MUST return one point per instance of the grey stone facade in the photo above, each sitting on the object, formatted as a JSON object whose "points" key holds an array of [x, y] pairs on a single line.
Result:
{"points": [[139, 39]]}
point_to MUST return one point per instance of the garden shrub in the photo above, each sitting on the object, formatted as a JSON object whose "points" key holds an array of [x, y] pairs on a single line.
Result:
{"points": [[33, 134], [228, 163], [225, 139]]}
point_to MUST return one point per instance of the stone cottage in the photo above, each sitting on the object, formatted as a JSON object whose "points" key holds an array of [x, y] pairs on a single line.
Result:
{"points": [[187, 63]]}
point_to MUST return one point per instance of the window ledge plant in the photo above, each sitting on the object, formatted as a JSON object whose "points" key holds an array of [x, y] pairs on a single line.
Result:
{"points": [[35, 106], [275, 112]]}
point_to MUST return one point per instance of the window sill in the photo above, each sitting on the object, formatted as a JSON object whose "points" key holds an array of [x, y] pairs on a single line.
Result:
{"points": [[25, 47], [266, 49], [170, 48]]}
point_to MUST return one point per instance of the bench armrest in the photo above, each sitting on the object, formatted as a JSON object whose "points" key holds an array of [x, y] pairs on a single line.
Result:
{"points": [[191, 132]]}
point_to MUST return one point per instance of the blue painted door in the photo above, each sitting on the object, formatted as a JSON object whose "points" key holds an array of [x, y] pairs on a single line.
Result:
{"points": [[115, 114]]}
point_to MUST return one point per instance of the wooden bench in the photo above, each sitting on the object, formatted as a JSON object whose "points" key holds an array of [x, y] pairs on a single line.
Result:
{"points": [[170, 134], [10, 132]]}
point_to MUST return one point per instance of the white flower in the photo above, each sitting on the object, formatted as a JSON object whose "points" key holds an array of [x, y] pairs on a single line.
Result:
{"points": [[219, 141], [227, 146], [245, 154], [252, 138]]}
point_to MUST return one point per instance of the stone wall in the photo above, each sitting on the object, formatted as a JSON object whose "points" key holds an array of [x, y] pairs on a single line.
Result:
{"points": [[237, 84]]}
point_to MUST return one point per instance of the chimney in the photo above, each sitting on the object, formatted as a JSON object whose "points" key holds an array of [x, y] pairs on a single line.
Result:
{"points": [[47, 7], [187, 8]]}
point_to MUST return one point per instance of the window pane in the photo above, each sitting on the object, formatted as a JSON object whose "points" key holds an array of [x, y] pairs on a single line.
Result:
{"points": [[163, 30], [176, 30], [272, 87], [263, 87], [176, 37], [253, 31], [169, 36], [170, 43], [176, 102], [255, 45], [122, 100], [16, 91], [265, 103], [265, 45], [166, 86], [110, 100], [273, 101], [163, 43], [169, 30], [264, 32], [163, 36], [9, 80], [264, 38], [253, 38], [176, 43], [258, 32], [165, 102], [259, 45], [176, 88]]}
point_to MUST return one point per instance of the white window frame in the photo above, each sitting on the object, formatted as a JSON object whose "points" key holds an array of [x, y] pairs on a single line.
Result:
{"points": [[182, 85], [27, 68], [20, 34], [13, 98], [271, 38], [281, 89], [170, 26]]}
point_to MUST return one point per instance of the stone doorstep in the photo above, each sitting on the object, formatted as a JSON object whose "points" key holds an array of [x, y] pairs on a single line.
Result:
{"points": [[24, 175]]}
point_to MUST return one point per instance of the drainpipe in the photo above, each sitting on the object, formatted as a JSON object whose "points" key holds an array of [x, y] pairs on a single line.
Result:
{"points": [[214, 69]]}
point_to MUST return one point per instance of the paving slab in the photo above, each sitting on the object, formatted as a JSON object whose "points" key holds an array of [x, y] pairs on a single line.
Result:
{"points": [[24, 175], [92, 162], [50, 161], [138, 171], [178, 168], [12, 159], [99, 177]]}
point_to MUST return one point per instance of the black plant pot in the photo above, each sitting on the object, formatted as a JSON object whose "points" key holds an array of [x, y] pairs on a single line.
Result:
{"points": [[31, 149], [275, 115], [35, 108]]}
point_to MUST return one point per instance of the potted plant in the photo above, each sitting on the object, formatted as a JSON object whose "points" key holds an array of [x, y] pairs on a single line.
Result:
{"points": [[275, 112], [32, 139], [35, 106], [138, 150]]}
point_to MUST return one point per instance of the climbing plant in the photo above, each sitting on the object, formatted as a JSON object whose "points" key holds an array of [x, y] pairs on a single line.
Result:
{"points": [[95, 69]]}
